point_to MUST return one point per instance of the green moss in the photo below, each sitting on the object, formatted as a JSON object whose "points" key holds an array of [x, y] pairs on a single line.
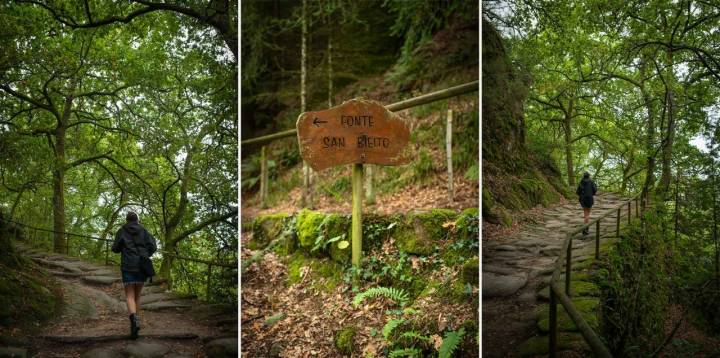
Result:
{"points": [[266, 228], [344, 340], [577, 289], [323, 273], [420, 232], [296, 262], [587, 307], [40, 297], [287, 246], [307, 226], [338, 225], [538, 345], [470, 271]]}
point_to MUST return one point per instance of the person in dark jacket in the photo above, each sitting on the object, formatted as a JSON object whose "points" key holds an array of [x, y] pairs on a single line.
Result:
{"points": [[585, 191], [135, 244]]}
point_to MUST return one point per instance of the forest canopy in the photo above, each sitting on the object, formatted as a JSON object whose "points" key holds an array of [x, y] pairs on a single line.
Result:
{"points": [[109, 107]]}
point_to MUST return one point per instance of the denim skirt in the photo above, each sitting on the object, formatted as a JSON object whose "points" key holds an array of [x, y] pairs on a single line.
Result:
{"points": [[131, 278]]}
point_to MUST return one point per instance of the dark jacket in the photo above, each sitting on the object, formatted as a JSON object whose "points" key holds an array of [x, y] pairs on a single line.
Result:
{"points": [[585, 191], [132, 240]]}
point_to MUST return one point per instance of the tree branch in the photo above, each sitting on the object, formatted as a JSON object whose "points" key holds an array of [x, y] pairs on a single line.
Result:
{"points": [[205, 224]]}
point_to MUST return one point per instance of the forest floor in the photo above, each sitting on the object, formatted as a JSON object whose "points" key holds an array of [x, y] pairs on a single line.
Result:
{"points": [[94, 320], [411, 197], [689, 339], [516, 264], [310, 318]]}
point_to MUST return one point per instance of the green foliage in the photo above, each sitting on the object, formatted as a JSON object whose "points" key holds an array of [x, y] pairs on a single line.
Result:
{"points": [[416, 22], [634, 292], [450, 343], [390, 326], [397, 295], [423, 166], [405, 352], [344, 340]]}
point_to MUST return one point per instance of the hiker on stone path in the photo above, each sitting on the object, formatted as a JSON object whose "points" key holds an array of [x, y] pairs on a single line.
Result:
{"points": [[585, 191], [136, 245]]}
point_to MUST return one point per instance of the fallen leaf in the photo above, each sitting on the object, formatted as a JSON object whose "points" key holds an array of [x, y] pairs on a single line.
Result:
{"points": [[436, 340]]}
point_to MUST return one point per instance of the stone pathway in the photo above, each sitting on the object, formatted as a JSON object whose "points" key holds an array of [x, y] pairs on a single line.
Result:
{"points": [[94, 320], [517, 270]]}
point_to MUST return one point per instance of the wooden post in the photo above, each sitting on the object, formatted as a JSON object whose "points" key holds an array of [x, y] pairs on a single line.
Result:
{"points": [[552, 351], [629, 212], [597, 239], [617, 226], [67, 244], [369, 189], [448, 151], [263, 177], [357, 192], [207, 289], [107, 252], [637, 210], [568, 268]]}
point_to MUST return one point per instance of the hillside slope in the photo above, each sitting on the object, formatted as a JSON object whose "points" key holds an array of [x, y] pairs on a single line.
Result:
{"points": [[513, 177]]}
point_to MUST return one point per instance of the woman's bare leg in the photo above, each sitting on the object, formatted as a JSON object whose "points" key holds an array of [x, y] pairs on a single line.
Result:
{"points": [[130, 298], [587, 215], [138, 290]]}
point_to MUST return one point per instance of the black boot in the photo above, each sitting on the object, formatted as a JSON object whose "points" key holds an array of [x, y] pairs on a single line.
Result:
{"points": [[586, 231], [133, 327]]}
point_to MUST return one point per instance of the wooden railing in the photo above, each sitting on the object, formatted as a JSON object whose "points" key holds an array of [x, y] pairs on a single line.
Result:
{"points": [[68, 235], [558, 293], [394, 107]]}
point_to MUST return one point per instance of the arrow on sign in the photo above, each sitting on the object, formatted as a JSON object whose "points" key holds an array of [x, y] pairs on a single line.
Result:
{"points": [[317, 122]]}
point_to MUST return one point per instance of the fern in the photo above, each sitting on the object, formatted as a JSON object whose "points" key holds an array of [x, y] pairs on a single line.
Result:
{"points": [[397, 295], [450, 343], [390, 326], [405, 352], [410, 335]]}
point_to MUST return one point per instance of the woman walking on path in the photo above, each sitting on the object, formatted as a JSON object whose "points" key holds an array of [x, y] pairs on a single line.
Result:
{"points": [[136, 246], [585, 191]]}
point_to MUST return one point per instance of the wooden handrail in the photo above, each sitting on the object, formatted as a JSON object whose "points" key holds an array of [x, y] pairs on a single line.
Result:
{"points": [[393, 107], [169, 253], [563, 296]]}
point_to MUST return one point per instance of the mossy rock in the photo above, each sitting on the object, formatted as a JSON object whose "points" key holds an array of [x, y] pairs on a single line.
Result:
{"points": [[538, 345], [41, 297], [324, 274], [421, 232], [266, 228], [344, 340], [470, 271], [338, 225], [587, 307], [307, 226], [467, 224], [287, 246], [577, 289], [576, 276]]}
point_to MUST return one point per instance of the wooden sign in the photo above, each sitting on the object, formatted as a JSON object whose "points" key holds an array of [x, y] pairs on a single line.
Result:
{"points": [[357, 131]]}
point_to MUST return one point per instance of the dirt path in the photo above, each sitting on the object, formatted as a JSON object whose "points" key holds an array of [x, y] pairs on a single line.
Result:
{"points": [[514, 267], [94, 320]]}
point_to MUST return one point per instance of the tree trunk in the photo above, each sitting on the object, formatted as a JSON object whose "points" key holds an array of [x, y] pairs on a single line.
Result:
{"points": [[650, 135], [567, 129], [15, 203], [329, 68], [306, 195], [59, 241], [667, 148]]}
